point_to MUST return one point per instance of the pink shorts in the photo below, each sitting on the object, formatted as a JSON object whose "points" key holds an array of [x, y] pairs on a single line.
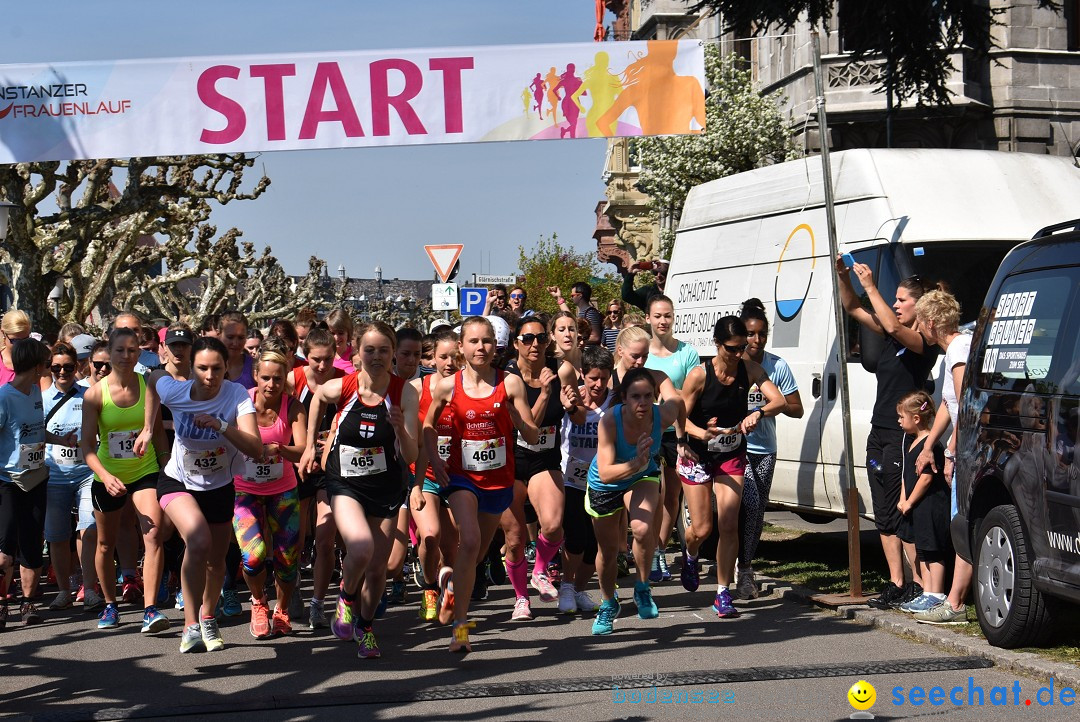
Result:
{"points": [[704, 472]]}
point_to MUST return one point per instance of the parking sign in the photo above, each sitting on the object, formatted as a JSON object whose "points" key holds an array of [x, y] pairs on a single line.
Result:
{"points": [[473, 301]]}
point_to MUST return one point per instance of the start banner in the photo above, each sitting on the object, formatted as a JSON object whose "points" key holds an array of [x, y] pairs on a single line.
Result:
{"points": [[121, 109]]}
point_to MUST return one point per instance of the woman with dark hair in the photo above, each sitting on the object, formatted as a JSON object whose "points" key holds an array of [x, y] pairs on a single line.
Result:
{"points": [[716, 393], [519, 302], [123, 442], [904, 365], [286, 331], [761, 442], [613, 323], [624, 475], [253, 342], [214, 423], [232, 329], [340, 325]]}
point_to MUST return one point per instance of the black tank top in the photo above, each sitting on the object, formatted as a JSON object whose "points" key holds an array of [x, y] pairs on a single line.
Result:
{"points": [[553, 414], [727, 403], [370, 455]]}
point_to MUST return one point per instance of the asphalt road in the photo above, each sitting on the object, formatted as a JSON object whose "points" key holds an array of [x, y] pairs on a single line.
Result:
{"points": [[781, 660]]}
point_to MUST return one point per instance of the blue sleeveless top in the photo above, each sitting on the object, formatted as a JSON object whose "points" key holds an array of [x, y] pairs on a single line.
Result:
{"points": [[625, 451]]}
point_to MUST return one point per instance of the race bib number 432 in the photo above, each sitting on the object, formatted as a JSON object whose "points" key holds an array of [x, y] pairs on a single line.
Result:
{"points": [[204, 462]]}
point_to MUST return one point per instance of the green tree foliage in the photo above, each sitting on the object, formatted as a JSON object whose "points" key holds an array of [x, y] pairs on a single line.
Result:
{"points": [[743, 130], [550, 263], [915, 37]]}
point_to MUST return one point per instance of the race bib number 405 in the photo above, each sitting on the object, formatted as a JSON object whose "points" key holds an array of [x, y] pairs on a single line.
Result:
{"points": [[122, 444], [204, 462], [361, 461], [483, 455], [729, 440]]}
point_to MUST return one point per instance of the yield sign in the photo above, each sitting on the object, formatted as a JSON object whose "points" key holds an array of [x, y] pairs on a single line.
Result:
{"points": [[444, 257]]}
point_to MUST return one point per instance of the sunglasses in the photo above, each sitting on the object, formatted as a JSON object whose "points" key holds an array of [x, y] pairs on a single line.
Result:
{"points": [[528, 338], [734, 349], [99, 365], [62, 368], [614, 312], [517, 296]]}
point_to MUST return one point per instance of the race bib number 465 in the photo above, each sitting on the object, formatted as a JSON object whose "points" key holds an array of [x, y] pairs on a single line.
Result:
{"points": [[361, 461]]}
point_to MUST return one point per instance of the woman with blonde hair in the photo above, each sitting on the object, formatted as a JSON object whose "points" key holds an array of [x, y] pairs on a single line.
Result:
{"points": [[15, 327], [612, 323]]}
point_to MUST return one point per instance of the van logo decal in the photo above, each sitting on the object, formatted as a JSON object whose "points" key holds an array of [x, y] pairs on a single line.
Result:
{"points": [[789, 292]]}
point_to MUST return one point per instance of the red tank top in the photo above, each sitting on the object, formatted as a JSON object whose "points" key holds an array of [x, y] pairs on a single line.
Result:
{"points": [[482, 443], [444, 425]]}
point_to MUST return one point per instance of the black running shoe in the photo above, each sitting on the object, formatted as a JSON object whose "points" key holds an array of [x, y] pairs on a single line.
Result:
{"points": [[910, 591], [889, 595]]}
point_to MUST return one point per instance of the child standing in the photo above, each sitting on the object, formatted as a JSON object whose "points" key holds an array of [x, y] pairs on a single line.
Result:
{"points": [[924, 501]]}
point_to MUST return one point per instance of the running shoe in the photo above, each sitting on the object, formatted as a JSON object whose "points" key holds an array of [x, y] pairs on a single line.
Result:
{"points": [[543, 585], [191, 638], [397, 593], [154, 621], [530, 553], [429, 605], [723, 607], [622, 565], [317, 616], [342, 623], [29, 613], [567, 602], [747, 587], [605, 617], [281, 625], [459, 639], [689, 574], [554, 572], [665, 573], [63, 600], [296, 602], [211, 635], [646, 607], [655, 574], [446, 595], [585, 603], [480, 586], [922, 603], [163, 591], [522, 610], [179, 604], [131, 592], [885, 599], [260, 620], [369, 646], [911, 591], [80, 594], [380, 611], [109, 617], [230, 603], [943, 614], [92, 600], [3, 615]]}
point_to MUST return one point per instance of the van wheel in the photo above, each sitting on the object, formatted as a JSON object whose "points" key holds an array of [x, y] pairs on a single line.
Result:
{"points": [[1011, 611], [707, 550]]}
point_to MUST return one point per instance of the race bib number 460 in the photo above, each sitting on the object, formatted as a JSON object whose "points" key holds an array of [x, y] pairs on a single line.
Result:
{"points": [[361, 461], [204, 462], [122, 444], [483, 455]]}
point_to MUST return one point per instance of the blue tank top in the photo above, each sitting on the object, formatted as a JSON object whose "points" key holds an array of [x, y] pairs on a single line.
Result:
{"points": [[625, 451]]}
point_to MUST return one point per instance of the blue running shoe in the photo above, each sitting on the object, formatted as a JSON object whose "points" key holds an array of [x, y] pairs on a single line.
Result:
{"points": [[646, 607], [163, 591], [109, 618], [605, 617], [922, 603], [380, 610], [723, 607], [154, 621], [230, 603], [689, 574], [656, 574], [179, 599]]}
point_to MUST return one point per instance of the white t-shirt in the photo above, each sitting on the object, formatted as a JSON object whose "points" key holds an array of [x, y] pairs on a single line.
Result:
{"points": [[203, 459], [957, 353], [579, 444]]}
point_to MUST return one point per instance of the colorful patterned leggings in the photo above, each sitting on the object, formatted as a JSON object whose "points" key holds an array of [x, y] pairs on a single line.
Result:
{"points": [[259, 519]]}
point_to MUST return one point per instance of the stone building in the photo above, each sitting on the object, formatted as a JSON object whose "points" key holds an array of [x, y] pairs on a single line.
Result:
{"points": [[1025, 96]]}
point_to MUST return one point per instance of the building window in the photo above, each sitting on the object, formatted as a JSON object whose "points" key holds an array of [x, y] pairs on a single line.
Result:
{"points": [[1072, 23], [854, 18]]}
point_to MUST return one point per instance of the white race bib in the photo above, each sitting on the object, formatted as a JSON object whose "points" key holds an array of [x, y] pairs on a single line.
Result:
{"points": [[483, 455], [755, 398], [31, 456], [545, 442], [122, 444], [204, 462], [361, 461], [67, 455], [445, 447], [262, 472], [729, 440], [577, 471]]}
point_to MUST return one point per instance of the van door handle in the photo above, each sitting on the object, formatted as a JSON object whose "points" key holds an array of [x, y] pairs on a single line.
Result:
{"points": [[815, 388], [832, 386]]}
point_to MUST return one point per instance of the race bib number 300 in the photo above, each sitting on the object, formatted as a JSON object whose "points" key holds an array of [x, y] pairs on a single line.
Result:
{"points": [[483, 455], [122, 444], [31, 456], [204, 462], [361, 461]]}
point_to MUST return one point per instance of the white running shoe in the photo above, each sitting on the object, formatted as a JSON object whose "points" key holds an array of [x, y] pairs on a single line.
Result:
{"points": [[544, 587], [522, 610], [567, 602]]}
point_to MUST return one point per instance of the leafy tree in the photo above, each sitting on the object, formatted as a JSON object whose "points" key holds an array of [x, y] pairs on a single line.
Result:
{"points": [[550, 263], [743, 130], [915, 37]]}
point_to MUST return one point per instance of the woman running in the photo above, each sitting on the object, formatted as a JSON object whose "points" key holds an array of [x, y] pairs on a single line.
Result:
{"points": [[718, 422], [232, 328], [340, 325], [123, 442], [675, 358], [564, 335], [435, 533], [623, 475], [579, 439], [214, 424], [486, 405], [375, 441], [537, 467], [266, 513], [303, 383]]}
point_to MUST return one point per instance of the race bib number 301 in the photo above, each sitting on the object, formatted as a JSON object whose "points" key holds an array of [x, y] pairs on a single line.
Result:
{"points": [[361, 461], [66, 455], [483, 455]]}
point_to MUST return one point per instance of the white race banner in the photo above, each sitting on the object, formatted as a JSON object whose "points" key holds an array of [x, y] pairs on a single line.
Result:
{"points": [[230, 104]]}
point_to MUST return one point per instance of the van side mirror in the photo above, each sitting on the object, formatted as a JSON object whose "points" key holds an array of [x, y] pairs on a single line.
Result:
{"points": [[870, 345]]}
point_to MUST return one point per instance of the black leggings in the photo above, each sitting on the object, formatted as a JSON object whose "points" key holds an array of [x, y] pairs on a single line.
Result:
{"points": [[578, 534], [757, 481]]}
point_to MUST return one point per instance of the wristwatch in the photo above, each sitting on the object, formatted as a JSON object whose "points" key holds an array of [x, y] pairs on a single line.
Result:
{"points": [[760, 410], [684, 439], [222, 425]]}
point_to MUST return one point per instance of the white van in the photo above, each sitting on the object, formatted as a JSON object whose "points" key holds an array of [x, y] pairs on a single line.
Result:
{"points": [[948, 215]]}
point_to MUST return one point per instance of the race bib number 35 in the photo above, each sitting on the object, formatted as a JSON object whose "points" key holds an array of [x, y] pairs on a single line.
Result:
{"points": [[262, 472], [361, 461], [483, 455], [205, 462], [122, 444]]}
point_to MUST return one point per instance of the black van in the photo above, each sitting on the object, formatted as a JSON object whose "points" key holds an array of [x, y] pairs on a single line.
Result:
{"points": [[1018, 465]]}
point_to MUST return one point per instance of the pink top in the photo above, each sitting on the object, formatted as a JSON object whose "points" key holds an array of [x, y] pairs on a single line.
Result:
{"points": [[345, 362], [275, 476], [6, 374]]}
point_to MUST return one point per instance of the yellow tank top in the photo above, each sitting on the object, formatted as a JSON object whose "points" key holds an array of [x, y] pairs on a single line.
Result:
{"points": [[117, 428]]}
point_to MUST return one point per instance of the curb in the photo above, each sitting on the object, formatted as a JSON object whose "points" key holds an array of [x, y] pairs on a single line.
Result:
{"points": [[900, 624]]}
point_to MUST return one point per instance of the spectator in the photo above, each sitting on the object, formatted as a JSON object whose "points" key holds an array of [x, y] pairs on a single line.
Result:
{"points": [[519, 302], [581, 295], [613, 323], [497, 298], [640, 296], [14, 327], [69, 331]]}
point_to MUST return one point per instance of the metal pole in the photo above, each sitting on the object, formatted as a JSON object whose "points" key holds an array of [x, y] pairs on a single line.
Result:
{"points": [[854, 560]]}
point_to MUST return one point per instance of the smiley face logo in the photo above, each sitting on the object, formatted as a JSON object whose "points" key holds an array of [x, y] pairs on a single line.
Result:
{"points": [[862, 695]]}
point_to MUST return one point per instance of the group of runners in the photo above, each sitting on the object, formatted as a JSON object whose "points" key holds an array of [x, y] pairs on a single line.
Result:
{"points": [[234, 454]]}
